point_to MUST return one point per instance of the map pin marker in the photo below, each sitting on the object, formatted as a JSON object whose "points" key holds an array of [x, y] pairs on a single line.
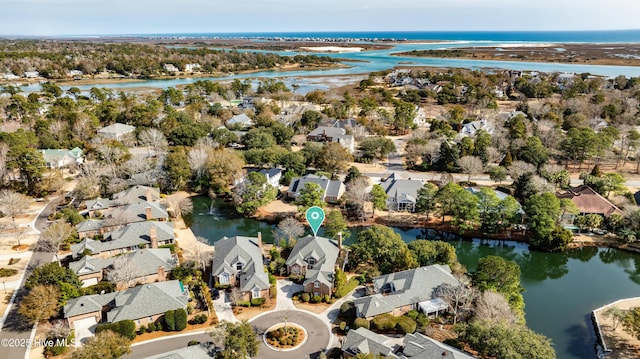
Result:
{"points": [[315, 217]]}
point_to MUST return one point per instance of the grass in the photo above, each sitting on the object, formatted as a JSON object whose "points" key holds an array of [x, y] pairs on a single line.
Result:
{"points": [[348, 287]]}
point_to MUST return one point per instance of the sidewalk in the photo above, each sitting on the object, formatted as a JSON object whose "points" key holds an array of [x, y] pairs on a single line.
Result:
{"points": [[330, 314]]}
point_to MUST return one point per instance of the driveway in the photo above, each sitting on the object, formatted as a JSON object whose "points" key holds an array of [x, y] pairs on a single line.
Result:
{"points": [[286, 289], [84, 329], [222, 307], [318, 335]]}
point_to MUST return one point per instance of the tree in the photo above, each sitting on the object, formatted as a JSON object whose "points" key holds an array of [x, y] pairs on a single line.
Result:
{"points": [[290, 229], [53, 274], [382, 247], [334, 158], [238, 340], [376, 147], [495, 214], [177, 168], [404, 114], [41, 303], [543, 211], [30, 163], [534, 152], [378, 198], [54, 236], [355, 196], [224, 166], [520, 168], [155, 140], [631, 322], [464, 211], [309, 196], [470, 165], [428, 252], [493, 307], [580, 144], [253, 193], [258, 138], [503, 276], [335, 224], [497, 173], [180, 317], [616, 315], [123, 273], [13, 204], [458, 297], [502, 340], [426, 201], [104, 345]]}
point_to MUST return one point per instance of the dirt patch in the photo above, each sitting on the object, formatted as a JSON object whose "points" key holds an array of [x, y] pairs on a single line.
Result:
{"points": [[316, 308], [190, 328]]}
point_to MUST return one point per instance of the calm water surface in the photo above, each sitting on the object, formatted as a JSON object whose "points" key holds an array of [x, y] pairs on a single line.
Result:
{"points": [[561, 288]]}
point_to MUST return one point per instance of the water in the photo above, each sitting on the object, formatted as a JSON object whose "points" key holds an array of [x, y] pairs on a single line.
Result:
{"points": [[561, 289]]}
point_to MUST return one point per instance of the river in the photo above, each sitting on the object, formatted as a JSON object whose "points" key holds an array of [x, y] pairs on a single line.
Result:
{"points": [[561, 289]]}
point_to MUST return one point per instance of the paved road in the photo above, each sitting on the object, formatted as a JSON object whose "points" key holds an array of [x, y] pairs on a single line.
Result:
{"points": [[15, 326], [150, 348], [318, 335]]}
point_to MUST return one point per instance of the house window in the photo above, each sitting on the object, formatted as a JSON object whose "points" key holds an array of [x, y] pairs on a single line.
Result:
{"points": [[311, 261], [239, 266], [150, 319], [255, 293], [224, 278], [316, 284], [138, 321]]}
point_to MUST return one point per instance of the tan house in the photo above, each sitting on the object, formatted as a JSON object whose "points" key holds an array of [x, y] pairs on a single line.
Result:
{"points": [[144, 266], [237, 262], [143, 304], [315, 259]]}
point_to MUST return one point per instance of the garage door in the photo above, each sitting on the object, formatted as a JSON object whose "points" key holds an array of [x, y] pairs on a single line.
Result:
{"points": [[85, 328]]}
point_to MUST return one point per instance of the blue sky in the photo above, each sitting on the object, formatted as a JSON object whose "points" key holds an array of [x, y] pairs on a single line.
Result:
{"points": [[59, 17]]}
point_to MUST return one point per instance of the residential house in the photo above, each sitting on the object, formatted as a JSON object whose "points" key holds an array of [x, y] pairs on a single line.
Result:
{"points": [[206, 350], [364, 341], [469, 129], [331, 190], [315, 258], [90, 228], [137, 193], [9, 76], [398, 293], [73, 73], [240, 121], [192, 67], [134, 236], [95, 207], [402, 194], [273, 176], [143, 304], [325, 133], [419, 346], [138, 212], [237, 261], [117, 131], [145, 266], [31, 74], [588, 201], [56, 159], [170, 68]]}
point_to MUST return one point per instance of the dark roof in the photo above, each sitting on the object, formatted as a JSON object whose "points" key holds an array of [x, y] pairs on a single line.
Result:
{"points": [[363, 340], [418, 346], [246, 250], [589, 201], [325, 253], [401, 189]]}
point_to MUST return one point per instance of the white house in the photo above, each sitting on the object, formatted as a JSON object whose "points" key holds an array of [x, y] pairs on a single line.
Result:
{"points": [[273, 176], [117, 131], [191, 67], [170, 68], [31, 74]]}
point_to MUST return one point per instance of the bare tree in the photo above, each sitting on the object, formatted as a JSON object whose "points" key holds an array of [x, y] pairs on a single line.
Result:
{"points": [[13, 204], [123, 272], [459, 297], [184, 207], [493, 155], [155, 140], [4, 149], [470, 165], [541, 185], [518, 168], [494, 307], [236, 295], [357, 191], [54, 236], [616, 315], [198, 158], [290, 229], [58, 329], [202, 255]]}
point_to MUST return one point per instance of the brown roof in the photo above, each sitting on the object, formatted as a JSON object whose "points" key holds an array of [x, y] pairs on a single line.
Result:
{"points": [[590, 201]]}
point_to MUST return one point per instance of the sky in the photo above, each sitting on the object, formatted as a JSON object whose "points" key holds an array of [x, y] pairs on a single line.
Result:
{"points": [[101, 17]]}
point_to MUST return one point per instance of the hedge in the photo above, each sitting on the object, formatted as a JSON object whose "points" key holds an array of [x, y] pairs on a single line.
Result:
{"points": [[361, 323], [199, 319], [169, 320], [180, 317], [256, 302], [126, 328], [347, 288], [347, 312], [406, 325], [384, 322]]}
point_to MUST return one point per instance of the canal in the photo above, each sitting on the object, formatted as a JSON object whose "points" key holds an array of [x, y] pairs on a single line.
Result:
{"points": [[561, 289]]}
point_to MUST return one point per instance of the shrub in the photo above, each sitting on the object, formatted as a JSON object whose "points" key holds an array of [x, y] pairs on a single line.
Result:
{"points": [[199, 319], [296, 278], [243, 303], [151, 327], [347, 312], [413, 314], [406, 325], [192, 343], [8, 272], [256, 302], [273, 292], [384, 322], [326, 298], [98, 288], [126, 328], [316, 299], [169, 320], [189, 309], [159, 326], [422, 321], [343, 326], [142, 330], [180, 317], [305, 297], [13, 261], [360, 323]]}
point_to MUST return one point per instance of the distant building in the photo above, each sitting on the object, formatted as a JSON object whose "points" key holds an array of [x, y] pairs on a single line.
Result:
{"points": [[402, 194], [240, 121], [192, 67], [470, 129], [331, 190], [56, 159], [31, 74], [170, 68], [273, 176], [117, 131]]}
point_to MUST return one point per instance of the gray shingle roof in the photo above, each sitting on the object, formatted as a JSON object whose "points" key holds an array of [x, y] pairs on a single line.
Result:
{"points": [[116, 129], [271, 172], [330, 188], [143, 262], [328, 131], [418, 346], [89, 265], [241, 119], [325, 253], [362, 340], [136, 194], [404, 288], [229, 251], [99, 204], [401, 189], [137, 211], [190, 352], [90, 225], [131, 235], [147, 300]]}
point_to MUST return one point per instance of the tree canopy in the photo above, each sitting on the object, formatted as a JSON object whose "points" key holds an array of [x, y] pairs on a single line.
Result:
{"points": [[381, 247]]}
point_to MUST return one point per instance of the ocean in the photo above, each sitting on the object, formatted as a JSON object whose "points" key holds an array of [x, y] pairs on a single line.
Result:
{"points": [[604, 36]]}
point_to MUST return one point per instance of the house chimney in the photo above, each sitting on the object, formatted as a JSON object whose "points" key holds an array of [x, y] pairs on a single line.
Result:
{"points": [[259, 240], [161, 274], [339, 242], [147, 213], [148, 195], [153, 236]]}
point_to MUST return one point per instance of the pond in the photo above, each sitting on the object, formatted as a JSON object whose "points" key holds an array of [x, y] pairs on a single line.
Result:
{"points": [[561, 289]]}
